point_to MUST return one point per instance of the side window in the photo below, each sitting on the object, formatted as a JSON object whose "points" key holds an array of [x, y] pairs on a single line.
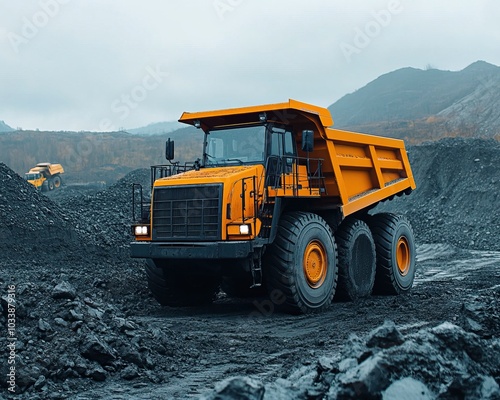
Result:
{"points": [[275, 144], [282, 143], [289, 144]]}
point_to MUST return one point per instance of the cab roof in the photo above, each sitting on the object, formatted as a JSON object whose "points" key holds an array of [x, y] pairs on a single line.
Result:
{"points": [[284, 113]]}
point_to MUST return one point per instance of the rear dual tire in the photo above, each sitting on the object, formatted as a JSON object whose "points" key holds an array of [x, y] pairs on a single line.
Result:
{"points": [[54, 183], [57, 182], [396, 253], [357, 262]]}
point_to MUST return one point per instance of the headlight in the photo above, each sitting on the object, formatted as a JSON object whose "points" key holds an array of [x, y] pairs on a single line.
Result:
{"points": [[244, 229], [141, 230]]}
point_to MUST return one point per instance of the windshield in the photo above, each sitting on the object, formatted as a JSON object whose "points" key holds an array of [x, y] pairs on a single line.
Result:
{"points": [[31, 177], [235, 146]]}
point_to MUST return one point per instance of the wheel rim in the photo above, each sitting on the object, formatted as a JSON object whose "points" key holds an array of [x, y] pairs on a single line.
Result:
{"points": [[315, 264], [57, 183], [403, 255]]}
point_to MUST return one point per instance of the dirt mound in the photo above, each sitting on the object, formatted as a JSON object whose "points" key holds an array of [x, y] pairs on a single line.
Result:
{"points": [[105, 217], [69, 333], [74, 290], [457, 195], [33, 227]]}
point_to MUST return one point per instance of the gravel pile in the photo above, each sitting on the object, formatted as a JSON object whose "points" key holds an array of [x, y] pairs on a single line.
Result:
{"points": [[75, 287], [34, 227], [70, 336], [458, 193], [444, 362], [105, 217]]}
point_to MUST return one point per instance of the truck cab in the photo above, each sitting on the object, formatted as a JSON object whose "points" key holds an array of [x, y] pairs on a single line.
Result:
{"points": [[35, 178]]}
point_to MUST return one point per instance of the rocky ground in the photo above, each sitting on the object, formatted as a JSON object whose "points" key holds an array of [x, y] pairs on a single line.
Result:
{"points": [[87, 327]]}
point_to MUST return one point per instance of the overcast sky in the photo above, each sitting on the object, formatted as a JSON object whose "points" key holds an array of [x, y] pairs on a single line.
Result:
{"points": [[103, 65]]}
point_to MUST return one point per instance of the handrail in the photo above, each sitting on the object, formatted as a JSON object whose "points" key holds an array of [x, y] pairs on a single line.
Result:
{"points": [[163, 171], [137, 187], [286, 165], [244, 189]]}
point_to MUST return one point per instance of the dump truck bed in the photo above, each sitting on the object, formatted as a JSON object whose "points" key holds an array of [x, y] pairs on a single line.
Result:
{"points": [[361, 170], [52, 169]]}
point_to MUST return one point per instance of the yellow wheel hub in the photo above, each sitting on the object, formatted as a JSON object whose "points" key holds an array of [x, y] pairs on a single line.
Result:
{"points": [[315, 264], [403, 255]]}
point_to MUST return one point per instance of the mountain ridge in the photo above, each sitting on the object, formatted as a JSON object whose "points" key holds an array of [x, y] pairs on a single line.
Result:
{"points": [[5, 128], [157, 128], [446, 103]]}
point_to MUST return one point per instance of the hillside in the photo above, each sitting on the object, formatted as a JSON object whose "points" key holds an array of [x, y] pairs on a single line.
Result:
{"points": [[429, 104], [90, 157], [157, 128], [5, 128]]}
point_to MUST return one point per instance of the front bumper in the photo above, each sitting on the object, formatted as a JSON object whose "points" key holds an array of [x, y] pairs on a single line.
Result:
{"points": [[191, 250]]}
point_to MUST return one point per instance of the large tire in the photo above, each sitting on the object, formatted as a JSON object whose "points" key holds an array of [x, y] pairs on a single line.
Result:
{"points": [[57, 181], [396, 252], [179, 287], [357, 260], [301, 264], [51, 184]]}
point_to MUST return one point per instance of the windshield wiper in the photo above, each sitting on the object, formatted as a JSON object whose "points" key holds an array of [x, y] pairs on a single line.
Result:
{"points": [[234, 159], [211, 159]]}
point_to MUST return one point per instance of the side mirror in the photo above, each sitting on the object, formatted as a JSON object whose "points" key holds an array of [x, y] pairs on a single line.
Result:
{"points": [[307, 141], [169, 150]]}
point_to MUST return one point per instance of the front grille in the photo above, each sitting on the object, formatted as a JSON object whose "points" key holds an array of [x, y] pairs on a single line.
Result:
{"points": [[187, 213]]}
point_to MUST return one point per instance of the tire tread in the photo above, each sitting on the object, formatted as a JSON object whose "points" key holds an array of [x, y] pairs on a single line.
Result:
{"points": [[279, 274], [384, 227], [344, 235]]}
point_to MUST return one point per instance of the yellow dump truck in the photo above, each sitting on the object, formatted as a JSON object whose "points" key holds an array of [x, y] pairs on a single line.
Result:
{"points": [[45, 176], [277, 202]]}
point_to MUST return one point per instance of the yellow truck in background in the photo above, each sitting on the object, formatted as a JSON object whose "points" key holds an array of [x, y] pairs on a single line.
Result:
{"points": [[45, 176], [277, 203]]}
